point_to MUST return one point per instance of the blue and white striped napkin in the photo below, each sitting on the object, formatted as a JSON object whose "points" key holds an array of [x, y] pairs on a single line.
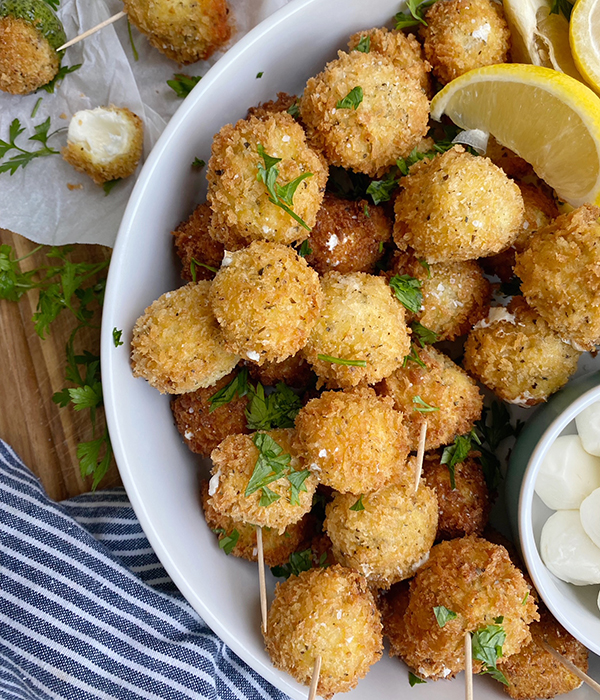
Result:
{"points": [[87, 610]]}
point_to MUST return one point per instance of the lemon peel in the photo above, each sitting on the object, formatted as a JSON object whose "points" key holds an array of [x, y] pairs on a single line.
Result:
{"points": [[584, 38]]}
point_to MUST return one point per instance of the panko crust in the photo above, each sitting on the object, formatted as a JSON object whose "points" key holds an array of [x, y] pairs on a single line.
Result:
{"points": [[233, 465], [267, 301], [348, 236], [512, 164], [177, 345], [185, 31], [27, 61], [388, 123], [193, 242], [476, 580], [461, 35], [360, 320], [457, 207], [266, 109], [441, 383], [388, 540], [203, 429], [277, 548], [518, 356], [240, 202], [329, 613], [354, 440], [120, 166], [456, 295], [560, 273], [402, 49], [293, 371], [463, 510]]}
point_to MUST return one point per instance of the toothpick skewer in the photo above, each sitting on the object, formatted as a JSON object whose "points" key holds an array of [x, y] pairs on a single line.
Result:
{"points": [[571, 666], [93, 30], [261, 578], [315, 679], [420, 455], [468, 667]]}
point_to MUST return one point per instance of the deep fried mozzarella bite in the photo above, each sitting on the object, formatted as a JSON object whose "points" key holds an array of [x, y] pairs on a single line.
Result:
{"points": [[354, 440], [365, 135], [266, 109], [267, 301], [193, 242], [456, 295], [476, 580], [403, 50], [277, 547], [360, 320], [186, 31], [463, 510], [177, 345], [512, 164], [234, 462], [203, 429], [348, 236], [518, 356], [240, 200], [104, 143], [456, 207], [560, 273], [461, 35], [440, 393], [293, 371], [390, 538], [329, 613]]}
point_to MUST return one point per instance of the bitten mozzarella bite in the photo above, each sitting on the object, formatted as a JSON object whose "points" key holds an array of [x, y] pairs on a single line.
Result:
{"points": [[177, 344], [360, 322], [363, 112], [186, 31], [440, 392], [195, 247], [457, 207], [104, 143], [260, 480], [390, 537], [329, 613], [354, 440], [267, 301], [560, 273], [517, 355], [238, 194], [460, 35]]}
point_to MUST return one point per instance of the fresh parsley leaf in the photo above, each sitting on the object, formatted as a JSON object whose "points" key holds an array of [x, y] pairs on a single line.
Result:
{"points": [[23, 157], [196, 263], [404, 20], [298, 562], [198, 163], [408, 292], [305, 249], [294, 109], [270, 465], [364, 45], [423, 334], [86, 396], [487, 648], [425, 264], [117, 337], [367, 213], [525, 598], [423, 406], [267, 497], [352, 99], [136, 56], [238, 386], [36, 107], [341, 361], [297, 479], [358, 506], [381, 190], [110, 185], [414, 680], [227, 542], [183, 84], [260, 75], [404, 164], [63, 71], [457, 452], [443, 615], [91, 460], [413, 356], [563, 6], [277, 409]]}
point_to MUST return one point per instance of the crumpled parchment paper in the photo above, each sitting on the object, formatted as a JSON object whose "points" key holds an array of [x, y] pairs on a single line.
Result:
{"points": [[50, 202]]}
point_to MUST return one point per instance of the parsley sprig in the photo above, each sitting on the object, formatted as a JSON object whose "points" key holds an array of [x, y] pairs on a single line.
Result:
{"points": [[408, 292], [298, 562], [364, 45], [342, 361], [487, 647], [415, 15], [422, 406], [23, 157], [359, 505], [414, 680], [352, 99], [443, 615], [227, 541], [183, 84], [457, 452]]}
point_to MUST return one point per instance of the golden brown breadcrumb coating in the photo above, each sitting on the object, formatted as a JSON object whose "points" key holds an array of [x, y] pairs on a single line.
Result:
{"points": [[329, 613], [512, 164], [186, 31], [348, 236], [293, 371], [455, 295], [441, 384], [456, 207], [463, 510], [234, 461], [354, 440], [240, 202], [265, 109], [267, 301], [177, 345], [193, 242], [27, 61], [518, 356], [560, 273], [461, 35], [476, 580], [403, 49], [388, 540], [387, 124], [360, 320], [203, 429]]}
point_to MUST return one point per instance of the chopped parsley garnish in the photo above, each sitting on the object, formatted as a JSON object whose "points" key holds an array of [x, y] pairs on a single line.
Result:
{"points": [[457, 452], [238, 386], [413, 356], [63, 71], [109, 186], [260, 74], [117, 337], [352, 99], [305, 249], [136, 56], [196, 263], [198, 163], [268, 497], [341, 361], [443, 615], [408, 292], [275, 410], [423, 334], [364, 45], [423, 406], [563, 6], [183, 84], [366, 212], [487, 648], [525, 598], [381, 190], [404, 19], [358, 506], [23, 157], [36, 107], [414, 680], [227, 542], [415, 156], [380, 247], [294, 109], [298, 562], [425, 264]]}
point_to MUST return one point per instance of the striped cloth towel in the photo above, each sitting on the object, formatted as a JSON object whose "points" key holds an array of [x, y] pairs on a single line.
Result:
{"points": [[87, 610]]}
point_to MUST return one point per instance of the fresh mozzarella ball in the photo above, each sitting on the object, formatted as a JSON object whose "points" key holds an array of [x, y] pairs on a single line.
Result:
{"points": [[567, 551], [567, 475], [588, 427], [589, 514]]}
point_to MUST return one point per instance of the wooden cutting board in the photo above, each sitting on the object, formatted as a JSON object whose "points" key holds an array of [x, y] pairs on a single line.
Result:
{"points": [[31, 370]]}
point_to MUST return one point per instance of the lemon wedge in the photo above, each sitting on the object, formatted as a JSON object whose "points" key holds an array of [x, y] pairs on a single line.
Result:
{"points": [[546, 117], [584, 37]]}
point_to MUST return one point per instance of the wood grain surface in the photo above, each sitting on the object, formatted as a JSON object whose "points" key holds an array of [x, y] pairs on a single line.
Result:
{"points": [[43, 434]]}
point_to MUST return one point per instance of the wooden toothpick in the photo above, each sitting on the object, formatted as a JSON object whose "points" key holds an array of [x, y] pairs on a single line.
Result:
{"points": [[93, 30], [468, 667], [315, 679], [571, 667], [420, 455], [261, 578]]}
